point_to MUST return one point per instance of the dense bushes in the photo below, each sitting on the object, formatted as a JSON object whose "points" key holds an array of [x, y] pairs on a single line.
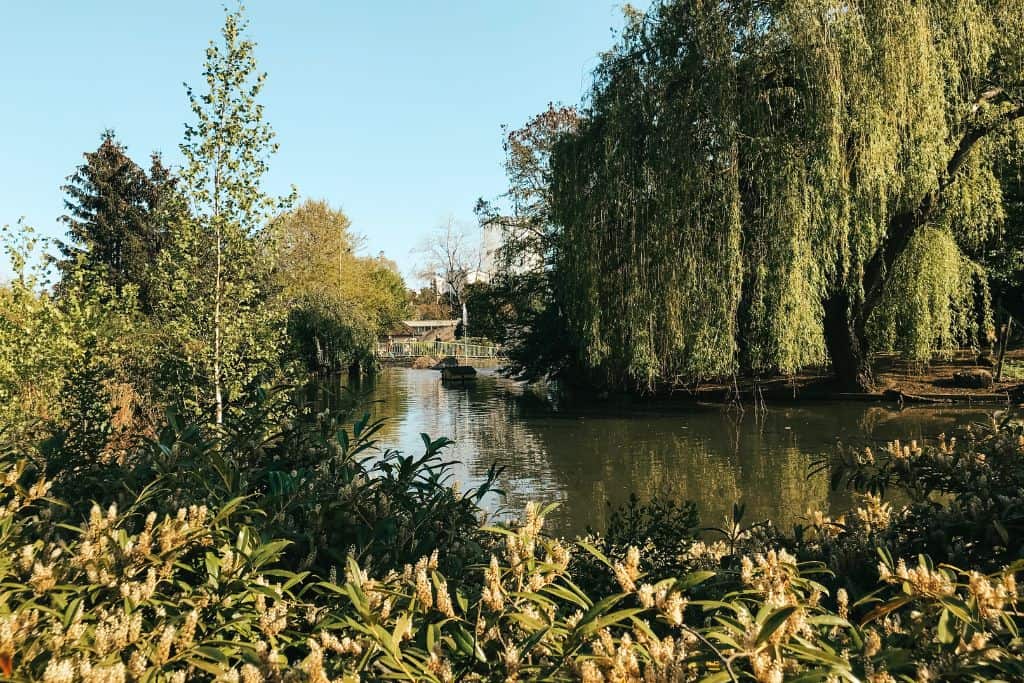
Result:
{"points": [[964, 500], [282, 547]]}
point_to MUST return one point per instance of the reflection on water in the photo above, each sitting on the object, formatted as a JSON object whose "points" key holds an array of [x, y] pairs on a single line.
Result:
{"points": [[586, 459]]}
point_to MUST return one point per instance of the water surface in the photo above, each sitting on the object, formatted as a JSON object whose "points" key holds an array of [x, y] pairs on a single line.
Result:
{"points": [[586, 458]]}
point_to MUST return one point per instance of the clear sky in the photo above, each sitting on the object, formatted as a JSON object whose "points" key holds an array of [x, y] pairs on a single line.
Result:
{"points": [[390, 110]]}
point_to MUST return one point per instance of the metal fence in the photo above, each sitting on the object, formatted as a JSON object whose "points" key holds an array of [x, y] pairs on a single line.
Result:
{"points": [[436, 349]]}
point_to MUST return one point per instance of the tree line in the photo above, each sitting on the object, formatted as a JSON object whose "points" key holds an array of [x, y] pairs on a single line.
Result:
{"points": [[184, 289]]}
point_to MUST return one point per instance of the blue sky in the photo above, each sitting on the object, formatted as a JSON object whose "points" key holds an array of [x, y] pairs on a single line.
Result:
{"points": [[392, 111]]}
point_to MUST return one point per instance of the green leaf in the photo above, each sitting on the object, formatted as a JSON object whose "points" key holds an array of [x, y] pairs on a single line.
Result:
{"points": [[212, 564], [212, 653], [829, 620], [589, 547], [945, 634], [433, 636], [599, 608], [773, 623], [1001, 530], [886, 608], [957, 607], [694, 579]]}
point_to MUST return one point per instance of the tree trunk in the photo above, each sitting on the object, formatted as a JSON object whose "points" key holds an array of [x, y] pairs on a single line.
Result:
{"points": [[218, 397], [844, 338]]}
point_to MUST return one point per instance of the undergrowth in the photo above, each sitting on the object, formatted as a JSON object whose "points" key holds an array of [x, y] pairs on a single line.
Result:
{"points": [[255, 552]]}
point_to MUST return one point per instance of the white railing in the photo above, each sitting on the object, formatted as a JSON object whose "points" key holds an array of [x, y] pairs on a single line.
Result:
{"points": [[436, 349]]}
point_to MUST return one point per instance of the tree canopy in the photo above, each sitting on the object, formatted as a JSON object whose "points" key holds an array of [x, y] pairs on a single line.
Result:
{"points": [[114, 220], [339, 301], [770, 185]]}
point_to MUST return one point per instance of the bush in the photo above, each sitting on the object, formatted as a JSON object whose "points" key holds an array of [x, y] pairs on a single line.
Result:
{"points": [[964, 501], [215, 554]]}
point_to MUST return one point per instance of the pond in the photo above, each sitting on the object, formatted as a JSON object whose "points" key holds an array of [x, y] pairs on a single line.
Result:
{"points": [[587, 458]]}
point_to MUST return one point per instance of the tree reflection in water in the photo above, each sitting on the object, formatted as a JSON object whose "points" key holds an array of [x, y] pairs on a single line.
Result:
{"points": [[587, 457]]}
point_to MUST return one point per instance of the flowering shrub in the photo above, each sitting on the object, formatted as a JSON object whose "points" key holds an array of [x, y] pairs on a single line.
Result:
{"points": [[964, 501], [142, 590], [138, 596]]}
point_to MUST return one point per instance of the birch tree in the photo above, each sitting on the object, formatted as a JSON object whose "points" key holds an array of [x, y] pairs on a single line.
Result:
{"points": [[221, 266]]}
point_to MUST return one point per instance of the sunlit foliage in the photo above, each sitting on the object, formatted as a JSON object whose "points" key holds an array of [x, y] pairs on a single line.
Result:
{"points": [[745, 170], [339, 302]]}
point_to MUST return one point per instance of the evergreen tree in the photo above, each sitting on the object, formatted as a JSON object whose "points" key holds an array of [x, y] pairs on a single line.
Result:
{"points": [[114, 217]]}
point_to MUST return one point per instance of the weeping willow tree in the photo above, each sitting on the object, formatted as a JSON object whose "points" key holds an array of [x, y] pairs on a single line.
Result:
{"points": [[768, 185]]}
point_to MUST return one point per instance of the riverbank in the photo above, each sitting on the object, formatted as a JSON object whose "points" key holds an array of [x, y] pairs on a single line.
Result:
{"points": [[899, 382]]}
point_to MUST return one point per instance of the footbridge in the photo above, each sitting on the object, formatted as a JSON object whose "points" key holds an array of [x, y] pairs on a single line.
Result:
{"points": [[403, 350]]}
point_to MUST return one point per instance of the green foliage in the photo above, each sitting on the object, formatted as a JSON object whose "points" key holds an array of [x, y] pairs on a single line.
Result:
{"points": [[524, 211], [69, 366], [339, 303], [662, 523], [115, 218], [1003, 253], [136, 594], [328, 337], [427, 304], [931, 300], [314, 250], [965, 497], [488, 310], [740, 165]]}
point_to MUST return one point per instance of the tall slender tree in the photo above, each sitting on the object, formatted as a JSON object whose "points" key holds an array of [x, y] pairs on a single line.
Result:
{"points": [[221, 264]]}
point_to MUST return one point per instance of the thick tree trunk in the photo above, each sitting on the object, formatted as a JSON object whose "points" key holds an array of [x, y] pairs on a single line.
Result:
{"points": [[844, 338]]}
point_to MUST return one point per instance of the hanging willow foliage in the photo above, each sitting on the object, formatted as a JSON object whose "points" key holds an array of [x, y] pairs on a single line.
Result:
{"points": [[935, 300], [740, 163]]}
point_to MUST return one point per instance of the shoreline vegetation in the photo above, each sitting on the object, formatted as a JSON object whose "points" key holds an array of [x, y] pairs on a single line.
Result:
{"points": [[208, 556]]}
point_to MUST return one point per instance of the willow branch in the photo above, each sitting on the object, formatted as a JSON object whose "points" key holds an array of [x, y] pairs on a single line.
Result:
{"points": [[903, 226]]}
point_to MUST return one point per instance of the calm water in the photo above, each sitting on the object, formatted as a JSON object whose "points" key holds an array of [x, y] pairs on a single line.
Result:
{"points": [[586, 458]]}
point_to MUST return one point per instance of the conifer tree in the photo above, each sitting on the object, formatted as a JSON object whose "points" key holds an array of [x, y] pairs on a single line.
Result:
{"points": [[114, 217]]}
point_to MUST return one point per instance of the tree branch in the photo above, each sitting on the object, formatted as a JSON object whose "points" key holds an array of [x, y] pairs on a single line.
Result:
{"points": [[903, 226], [973, 136]]}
